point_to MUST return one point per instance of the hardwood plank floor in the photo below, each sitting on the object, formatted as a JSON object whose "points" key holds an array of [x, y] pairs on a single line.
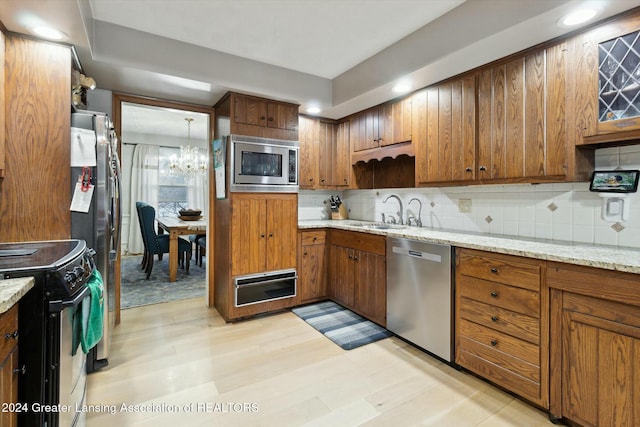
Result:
{"points": [[185, 366]]}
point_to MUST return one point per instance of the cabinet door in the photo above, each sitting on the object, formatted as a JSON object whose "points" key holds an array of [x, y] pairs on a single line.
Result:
{"points": [[248, 234], [401, 120], [341, 275], [601, 384], [9, 387], [370, 286], [282, 116], [327, 143], [557, 153], [250, 110], [281, 227], [463, 129], [312, 281], [342, 162], [385, 125], [309, 134]]}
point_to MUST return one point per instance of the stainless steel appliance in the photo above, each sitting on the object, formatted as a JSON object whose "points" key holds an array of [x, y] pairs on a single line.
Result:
{"points": [[52, 363], [262, 287], [263, 164], [419, 294], [100, 226]]}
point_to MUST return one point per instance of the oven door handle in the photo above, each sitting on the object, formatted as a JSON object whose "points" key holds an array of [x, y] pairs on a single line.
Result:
{"points": [[58, 305]]}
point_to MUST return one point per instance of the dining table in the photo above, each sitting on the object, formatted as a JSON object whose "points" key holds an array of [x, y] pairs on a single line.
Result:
{"points": [[177, 227]]}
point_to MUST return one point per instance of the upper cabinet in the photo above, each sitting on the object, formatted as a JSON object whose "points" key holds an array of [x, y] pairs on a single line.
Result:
{"points": [[606, 64], [2, 110], [382, 131], [309, 133], [254, 116], [444, 132]]}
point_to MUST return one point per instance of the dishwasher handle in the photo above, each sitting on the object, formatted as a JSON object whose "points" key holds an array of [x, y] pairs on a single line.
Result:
{"points": [[427, 256]]}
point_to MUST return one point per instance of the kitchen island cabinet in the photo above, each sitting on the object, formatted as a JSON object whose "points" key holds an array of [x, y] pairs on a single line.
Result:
{"points": [[501, 323], [357, 273], [595, 325], [9, 364]]}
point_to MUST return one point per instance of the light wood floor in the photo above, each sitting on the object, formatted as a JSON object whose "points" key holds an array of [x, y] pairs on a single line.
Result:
{"points": [[278, 371]]}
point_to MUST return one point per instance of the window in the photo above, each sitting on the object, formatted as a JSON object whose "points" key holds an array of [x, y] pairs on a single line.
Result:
{"points": [[172, 188]]}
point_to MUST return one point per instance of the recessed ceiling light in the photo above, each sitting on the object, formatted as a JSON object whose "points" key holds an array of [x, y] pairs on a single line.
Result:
{"points": [[401, 87], [577, 17], [313, 110], [49, 33]]}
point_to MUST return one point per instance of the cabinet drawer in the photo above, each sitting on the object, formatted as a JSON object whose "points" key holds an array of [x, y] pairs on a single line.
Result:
{"points": [[313, 237], [507, 351], [360, 241], [507, 321], [503, 269], [514, 299], [8, 327]]}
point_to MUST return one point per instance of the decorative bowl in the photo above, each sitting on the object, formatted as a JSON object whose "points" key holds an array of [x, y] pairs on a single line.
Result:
{"points": [[190, 212]]}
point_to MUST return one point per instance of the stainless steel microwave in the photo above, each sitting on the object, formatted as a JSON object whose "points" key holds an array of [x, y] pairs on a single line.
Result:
{"points": [[263, 164]]}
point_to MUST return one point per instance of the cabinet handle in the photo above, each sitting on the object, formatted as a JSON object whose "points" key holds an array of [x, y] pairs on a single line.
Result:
{"points": [[494, 342], [315, 238], [468, 170], [310, 179], [350, 256], [305, 253], [483, 168], [270, 119], [14, 335], [270, 234], [355, 258], [494, 270], [262, 235], [322, 180], [262, 117], [22, 370], [493, 318], [494, 294]]}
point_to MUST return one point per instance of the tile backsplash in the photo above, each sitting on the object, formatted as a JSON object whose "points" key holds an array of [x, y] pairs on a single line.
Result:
{"points": [[564, 211]]}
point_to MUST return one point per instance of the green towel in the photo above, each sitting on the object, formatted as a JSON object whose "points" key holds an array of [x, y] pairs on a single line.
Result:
{"points": [[92, 313]]}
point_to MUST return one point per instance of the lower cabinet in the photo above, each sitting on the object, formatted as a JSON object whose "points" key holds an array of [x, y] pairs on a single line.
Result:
{"points": [[312, 266], [9, 365], [500, 332], [595, 352], [358, 273]]}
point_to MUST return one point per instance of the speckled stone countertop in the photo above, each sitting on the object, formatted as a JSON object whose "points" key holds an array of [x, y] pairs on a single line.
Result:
{"points": [[608, 257], [11, 290]]}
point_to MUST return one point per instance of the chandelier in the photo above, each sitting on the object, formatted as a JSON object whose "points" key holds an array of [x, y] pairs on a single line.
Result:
{"points": [[192, 160]]}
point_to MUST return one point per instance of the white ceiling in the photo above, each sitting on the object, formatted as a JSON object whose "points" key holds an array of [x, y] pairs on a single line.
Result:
{"points": [[343, 55]]}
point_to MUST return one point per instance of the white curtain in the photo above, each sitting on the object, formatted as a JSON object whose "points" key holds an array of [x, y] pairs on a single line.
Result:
{"points": [[144, 188], [197, 197]]}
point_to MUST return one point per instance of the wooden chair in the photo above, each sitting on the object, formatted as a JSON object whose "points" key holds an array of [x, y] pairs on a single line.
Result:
{"points": [[199, 249], [158, 244]]}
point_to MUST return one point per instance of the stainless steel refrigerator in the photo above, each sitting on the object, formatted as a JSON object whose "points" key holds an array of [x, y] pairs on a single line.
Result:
{"points": [[100, 226]]}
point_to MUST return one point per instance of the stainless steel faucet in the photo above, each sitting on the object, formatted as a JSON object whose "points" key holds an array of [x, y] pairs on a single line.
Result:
{"points": [[418, 221], [400, 220]]}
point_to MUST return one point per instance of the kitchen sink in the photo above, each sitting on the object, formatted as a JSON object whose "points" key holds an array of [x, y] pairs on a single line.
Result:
{"points": [[378, 225]]}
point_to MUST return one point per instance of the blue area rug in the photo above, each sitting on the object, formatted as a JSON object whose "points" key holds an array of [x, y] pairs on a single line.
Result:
{"points": [[340, 325], [136, 290]]}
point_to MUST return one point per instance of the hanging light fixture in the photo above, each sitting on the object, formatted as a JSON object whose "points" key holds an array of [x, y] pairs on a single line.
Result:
{"points": [[192, 160]]}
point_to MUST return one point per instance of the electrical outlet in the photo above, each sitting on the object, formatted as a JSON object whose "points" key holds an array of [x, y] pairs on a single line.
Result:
{"points": [[464, 205]]}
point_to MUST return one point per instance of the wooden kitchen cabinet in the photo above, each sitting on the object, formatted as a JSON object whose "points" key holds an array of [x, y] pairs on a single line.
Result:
{"points": [[263, 232], [606, 82], [445, 136], [334, 165], [2, 107], [501, 326], [9, 364], [595, 322], [309, 133], [357, 273], [254, 116], [312, 263]]}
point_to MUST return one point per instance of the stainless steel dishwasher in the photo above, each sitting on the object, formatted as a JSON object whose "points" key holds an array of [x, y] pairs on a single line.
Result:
{"points": [[419, 294]]}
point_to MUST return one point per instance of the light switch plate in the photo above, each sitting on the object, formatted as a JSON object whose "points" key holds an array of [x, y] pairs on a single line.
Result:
{"points": [[464, 205]]}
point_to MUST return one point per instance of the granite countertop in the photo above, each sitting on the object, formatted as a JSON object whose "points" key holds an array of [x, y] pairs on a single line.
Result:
{"points": [[11, 290], [601, 256]]}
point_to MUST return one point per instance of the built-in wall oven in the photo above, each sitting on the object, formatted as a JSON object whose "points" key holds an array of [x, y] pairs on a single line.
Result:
{"points": [[52, 382], [263, 164]]}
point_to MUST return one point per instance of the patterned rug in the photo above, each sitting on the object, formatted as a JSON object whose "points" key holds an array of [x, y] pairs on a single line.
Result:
{"points": [[340, 325], [136, 290]]}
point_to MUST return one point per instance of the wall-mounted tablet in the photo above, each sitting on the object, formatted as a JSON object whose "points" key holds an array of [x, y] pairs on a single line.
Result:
{"points": [[615, 181]]}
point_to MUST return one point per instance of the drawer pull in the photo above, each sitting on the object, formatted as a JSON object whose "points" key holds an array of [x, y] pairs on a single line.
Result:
{"points": [[315, 238], [494, 294], [494, 318], [494, 342], [494, 270], [14, 335], [305, 253]]}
